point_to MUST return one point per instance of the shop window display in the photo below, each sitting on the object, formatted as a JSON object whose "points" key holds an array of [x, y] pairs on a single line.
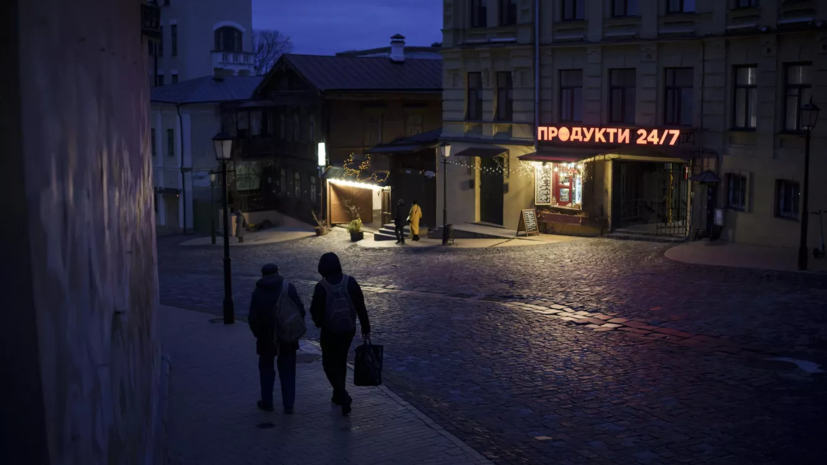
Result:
{"points": [[565, 188]]}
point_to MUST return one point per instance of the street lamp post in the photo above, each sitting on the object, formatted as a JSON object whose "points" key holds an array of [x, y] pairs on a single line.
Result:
{"points": [[445, 151], [223, 153], [809, 117], [212, 207]]}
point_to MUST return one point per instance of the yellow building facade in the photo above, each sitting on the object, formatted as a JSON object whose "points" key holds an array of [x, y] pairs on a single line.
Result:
{"points": [[710, 93]]}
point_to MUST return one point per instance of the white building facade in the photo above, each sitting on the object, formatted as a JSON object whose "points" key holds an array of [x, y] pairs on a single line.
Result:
{"points": [[202, 38]]}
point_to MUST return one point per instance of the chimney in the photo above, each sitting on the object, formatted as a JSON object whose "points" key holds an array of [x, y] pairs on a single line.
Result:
{"points": [[398, 48]]}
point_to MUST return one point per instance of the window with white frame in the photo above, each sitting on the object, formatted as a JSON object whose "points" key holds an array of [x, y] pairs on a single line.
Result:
{"points": [[746, 4], [622, 91], [746, 97], [787, 194], [798, 84], [505, 96], [736, 185], [508, 12], [571, 95], [678, 96], [413, 125], [572, 10], [479, 13], [474, 97], [621, 8], [680, 6], [373, 130]]}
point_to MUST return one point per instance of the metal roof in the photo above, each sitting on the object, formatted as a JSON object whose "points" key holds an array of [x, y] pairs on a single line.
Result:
{"points": [[410, 144], [207, 90], [367, 73], [481, 152]]}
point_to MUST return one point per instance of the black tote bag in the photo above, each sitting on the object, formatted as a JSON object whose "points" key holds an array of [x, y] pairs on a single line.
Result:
{"points": [[367, 369]]}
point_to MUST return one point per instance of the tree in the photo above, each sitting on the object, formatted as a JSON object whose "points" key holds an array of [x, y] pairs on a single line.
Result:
{"points": [[268, 46]]}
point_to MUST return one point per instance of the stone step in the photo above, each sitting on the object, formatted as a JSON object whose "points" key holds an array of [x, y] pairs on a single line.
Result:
{"points": [[644, 238], [636, 232]]}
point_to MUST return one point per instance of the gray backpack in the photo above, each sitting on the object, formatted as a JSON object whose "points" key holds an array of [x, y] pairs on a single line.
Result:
{"points": [[339, 313], [289, 319]]}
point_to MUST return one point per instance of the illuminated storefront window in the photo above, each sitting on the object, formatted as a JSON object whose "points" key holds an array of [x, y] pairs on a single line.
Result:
{"points": [[559, 185]]}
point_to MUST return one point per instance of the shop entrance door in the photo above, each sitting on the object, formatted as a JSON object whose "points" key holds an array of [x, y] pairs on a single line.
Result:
{"points": [[672, 184], [491, 192], [653, 198]]}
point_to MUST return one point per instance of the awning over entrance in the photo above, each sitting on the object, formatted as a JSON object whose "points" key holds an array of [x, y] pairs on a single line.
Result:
{"points": [[481, 152], [561, 155], [652, 153], [415, 143]]}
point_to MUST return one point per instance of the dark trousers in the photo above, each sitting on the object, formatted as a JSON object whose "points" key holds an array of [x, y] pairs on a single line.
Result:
{"points": [[286, 362], [400, 233], [335, 348]]}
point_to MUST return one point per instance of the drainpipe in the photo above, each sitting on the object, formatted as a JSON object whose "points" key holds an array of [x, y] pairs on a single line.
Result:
{"points": [[183, 177], [536, 71]]}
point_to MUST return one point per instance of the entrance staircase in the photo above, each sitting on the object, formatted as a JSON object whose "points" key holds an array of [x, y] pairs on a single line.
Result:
{"points": [[387, 232], [626, 234]]}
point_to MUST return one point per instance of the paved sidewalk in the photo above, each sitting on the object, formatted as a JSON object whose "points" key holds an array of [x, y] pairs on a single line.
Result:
{"points": [[265, 236], [215, 420], [721, 253]]}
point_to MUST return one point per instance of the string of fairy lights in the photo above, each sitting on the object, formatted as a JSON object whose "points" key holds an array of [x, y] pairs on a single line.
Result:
{"points": [[526, 168]]}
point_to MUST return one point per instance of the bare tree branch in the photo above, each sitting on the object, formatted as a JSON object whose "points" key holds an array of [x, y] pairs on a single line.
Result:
{"points": [[268, 46]]}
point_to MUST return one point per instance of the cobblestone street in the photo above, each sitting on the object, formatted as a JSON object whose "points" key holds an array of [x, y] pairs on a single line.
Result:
{"points": [[589, 351]]}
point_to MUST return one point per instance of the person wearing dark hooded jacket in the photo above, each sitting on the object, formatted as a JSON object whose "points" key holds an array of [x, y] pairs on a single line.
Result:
{"points": [[400, 219], [336, 345], [263, 324]]}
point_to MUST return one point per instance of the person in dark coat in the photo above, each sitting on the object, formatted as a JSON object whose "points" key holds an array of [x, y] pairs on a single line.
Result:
{"points": [[400, 218], [335, 347], [263, 324]]}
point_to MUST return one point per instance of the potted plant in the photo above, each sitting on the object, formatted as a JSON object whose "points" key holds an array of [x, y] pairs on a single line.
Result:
{"points": [[355, 230], [321, 225]]}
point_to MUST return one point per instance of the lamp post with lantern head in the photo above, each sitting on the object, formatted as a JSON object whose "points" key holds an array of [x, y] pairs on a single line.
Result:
{"points": [[809, 118], [223, 144], [445, 152], [212, 207]]}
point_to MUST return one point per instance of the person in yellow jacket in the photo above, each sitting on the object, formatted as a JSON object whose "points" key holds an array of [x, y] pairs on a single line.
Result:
{"points": [[413, 219]]}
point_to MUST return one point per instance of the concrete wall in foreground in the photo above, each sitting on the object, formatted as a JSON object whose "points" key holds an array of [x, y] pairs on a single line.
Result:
{"points": [[84, 229]]}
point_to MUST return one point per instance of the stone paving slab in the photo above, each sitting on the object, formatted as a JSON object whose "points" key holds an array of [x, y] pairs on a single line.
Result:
{"points": [[215, 419]]}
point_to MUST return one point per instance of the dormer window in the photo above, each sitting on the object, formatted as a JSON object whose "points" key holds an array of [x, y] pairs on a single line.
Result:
{"points": [[228, 39]]}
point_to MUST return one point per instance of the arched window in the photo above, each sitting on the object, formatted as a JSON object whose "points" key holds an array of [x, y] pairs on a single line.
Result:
{"points": [[296, 127], [313, 192], [228, 39], [282, 182], [297, 185]]}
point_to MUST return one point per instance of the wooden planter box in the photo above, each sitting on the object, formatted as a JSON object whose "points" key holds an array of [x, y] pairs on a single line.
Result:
{"points": [[567, 225], [560, 218]]}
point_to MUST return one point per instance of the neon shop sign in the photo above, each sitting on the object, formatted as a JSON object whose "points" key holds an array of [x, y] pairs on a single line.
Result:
{"points": [[597, 135]]}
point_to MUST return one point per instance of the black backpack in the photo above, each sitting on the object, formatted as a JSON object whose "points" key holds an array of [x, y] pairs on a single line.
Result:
{"points": [[339, 313]]}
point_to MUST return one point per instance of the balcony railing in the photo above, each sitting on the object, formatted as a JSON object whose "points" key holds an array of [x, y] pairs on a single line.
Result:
{"points": [[151, 19], [243, 59]]}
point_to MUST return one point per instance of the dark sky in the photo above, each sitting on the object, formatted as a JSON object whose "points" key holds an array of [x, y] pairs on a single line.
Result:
{"points": [[324, 27]]}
